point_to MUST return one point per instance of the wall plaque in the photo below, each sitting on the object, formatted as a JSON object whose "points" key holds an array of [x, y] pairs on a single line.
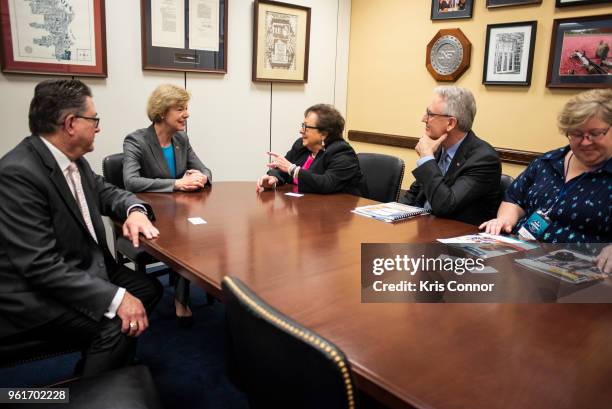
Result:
{"points": [[448, 54]]}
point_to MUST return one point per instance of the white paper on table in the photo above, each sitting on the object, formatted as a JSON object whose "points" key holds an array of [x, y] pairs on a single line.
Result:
{"points": [[168, 23], [294, 194], [204, 25], [196, 220]]}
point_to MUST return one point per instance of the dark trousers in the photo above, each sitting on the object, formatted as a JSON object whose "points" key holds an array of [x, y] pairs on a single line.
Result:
{"points": [[107, 347]]}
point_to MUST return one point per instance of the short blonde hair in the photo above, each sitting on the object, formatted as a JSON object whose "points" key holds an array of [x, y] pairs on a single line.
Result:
{"points": [[584, 106], [163, 98]]}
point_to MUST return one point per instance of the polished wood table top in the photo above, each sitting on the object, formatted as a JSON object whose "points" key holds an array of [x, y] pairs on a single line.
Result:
{"points": [[302, 255]]}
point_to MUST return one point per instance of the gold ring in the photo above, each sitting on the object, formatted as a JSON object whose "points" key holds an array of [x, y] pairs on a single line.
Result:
{"points": [[133, 325]]}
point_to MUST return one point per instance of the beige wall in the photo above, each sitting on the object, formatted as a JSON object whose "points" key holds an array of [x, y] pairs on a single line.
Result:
{"points": [[389, 86]]}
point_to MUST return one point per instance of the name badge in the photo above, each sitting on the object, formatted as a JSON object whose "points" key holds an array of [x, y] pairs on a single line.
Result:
{"points": [[535, 226]]}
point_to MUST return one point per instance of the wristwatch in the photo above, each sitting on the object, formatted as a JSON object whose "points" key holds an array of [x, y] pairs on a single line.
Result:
{"points": [[139, 209]]}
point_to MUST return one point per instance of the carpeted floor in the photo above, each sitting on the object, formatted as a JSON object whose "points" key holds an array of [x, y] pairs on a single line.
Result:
{"points": [[188, 365]]}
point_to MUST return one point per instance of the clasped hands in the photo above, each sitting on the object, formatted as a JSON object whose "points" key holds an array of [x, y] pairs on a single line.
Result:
{"points": [[192, 180]]}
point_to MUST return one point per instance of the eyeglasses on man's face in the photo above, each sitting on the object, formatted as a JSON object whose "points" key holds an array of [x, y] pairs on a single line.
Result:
{"points": [[430, 114], [303, 126], [592, 135], [95, 119]]}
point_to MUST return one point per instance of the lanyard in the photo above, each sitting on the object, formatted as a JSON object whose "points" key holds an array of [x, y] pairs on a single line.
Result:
{"points": [[566, 185]]}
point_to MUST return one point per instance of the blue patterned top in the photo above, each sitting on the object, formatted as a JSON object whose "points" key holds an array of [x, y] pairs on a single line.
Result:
{"points": [[580, 216]]}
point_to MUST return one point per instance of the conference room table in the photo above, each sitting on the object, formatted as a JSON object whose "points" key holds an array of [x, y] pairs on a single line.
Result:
{"points": [[303, 256]]}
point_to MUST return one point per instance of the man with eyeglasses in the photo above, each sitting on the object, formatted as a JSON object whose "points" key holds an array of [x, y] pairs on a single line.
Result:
{"points": [[457, 174], [58, 281]]}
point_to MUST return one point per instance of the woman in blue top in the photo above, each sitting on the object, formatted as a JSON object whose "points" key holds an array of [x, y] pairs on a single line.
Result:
{"points": [[567, 191], [160, 159]]}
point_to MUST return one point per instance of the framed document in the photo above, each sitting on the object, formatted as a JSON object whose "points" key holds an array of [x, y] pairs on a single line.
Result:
{"points": [[448, 54], [56, 37], [281, 41], [184, 35], [509, 53], [580, 53], [503, 3], [566, 3]]}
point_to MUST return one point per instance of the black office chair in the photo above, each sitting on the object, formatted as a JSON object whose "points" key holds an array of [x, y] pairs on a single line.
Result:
{"points": [[130, 388], [383, 174], [112, 170], [279, 363], [504, 183]]}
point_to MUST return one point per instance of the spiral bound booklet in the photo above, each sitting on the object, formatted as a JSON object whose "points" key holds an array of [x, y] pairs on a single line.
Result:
{"points": [[389, 212]]}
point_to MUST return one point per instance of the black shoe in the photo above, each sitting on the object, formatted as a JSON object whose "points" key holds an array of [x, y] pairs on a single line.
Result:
{"points": [[185, 322]]}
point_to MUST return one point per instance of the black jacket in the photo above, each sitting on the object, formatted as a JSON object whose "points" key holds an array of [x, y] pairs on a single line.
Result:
{"points": [[334, 170], [469, 192]]}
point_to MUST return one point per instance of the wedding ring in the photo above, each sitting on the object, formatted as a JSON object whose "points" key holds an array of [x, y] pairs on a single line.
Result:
{"points": [[133, 325]]}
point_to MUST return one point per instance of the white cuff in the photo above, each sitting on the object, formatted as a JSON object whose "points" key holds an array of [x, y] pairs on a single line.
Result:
{"points": [[114, 305]]}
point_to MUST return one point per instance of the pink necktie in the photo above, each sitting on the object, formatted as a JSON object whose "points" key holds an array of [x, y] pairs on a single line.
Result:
{"points": [[75, 178]]}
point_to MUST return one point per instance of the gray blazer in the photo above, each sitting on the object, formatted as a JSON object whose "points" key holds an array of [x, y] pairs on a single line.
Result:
{"points": [[145, 168]]}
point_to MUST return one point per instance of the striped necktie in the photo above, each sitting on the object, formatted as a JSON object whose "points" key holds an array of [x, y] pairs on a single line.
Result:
{"points": [[77, 191]]}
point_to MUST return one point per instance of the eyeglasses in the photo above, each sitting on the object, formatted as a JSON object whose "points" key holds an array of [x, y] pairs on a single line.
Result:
{"points": [[429, 114], [304, 127], [91, 118], [591, 135]]}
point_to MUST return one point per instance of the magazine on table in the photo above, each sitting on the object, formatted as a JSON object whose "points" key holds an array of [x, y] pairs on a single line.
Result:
{"points": [[570, 266], [389, 212], [486, 245]]}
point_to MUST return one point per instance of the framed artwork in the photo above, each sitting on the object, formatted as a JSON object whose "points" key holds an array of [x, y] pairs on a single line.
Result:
{"points": [[503, 3], [184, 35], [447, 9], [58, 38], [281, 42], [448, 54], [566, 3], [509, 53], [579, 53]]}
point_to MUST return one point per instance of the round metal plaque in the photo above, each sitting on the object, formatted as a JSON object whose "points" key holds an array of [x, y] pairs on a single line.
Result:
{"points": [[448, 54]]}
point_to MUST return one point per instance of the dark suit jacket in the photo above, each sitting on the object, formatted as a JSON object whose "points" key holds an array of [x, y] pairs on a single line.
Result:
{"points": [[335, 169], [144, 167], [469, 192], [49, 262]]}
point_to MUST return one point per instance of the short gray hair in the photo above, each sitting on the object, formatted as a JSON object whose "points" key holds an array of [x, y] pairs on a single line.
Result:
{"points": [[584, 106], [460, 103]]}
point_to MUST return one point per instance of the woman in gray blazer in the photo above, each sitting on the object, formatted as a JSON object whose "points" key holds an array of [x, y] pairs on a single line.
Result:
{"points": [[160, 159]]}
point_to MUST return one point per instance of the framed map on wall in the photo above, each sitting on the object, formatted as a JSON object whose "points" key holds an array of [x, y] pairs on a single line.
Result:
{"points": [[65, 37], [281, 41]]}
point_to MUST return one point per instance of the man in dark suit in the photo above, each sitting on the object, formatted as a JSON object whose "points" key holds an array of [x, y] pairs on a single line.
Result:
{"points": [[58, 280], [457, 174]]}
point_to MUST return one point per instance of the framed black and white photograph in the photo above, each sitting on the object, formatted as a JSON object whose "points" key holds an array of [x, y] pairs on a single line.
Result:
{"points": [[504, 3], [568, 3], [449, 9], [580, 53], [281, 42], [184, 35], [509, 53]]}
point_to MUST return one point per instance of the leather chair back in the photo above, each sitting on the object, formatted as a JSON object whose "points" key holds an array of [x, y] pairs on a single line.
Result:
{"points": [[383, 175], [112, 169], [279, 363], [504, 183]]}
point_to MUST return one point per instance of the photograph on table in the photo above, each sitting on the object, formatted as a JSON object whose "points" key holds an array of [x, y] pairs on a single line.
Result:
{"points": [[449, 9], [59, 38], [580, 53], [509, 53]]}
